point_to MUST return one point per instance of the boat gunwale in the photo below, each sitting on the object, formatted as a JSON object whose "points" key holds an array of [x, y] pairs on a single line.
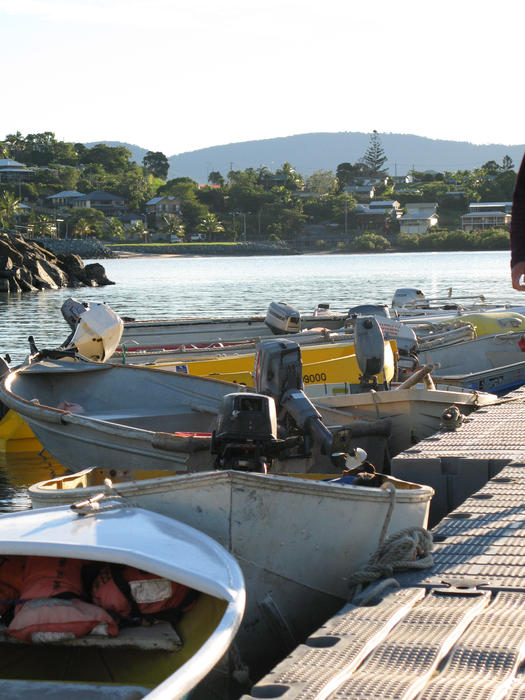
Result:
{"points": [[293, 484]]}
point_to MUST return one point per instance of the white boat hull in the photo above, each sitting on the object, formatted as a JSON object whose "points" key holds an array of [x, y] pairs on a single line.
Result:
{"points": [[415, 412], [133, 537], [296, 540]]}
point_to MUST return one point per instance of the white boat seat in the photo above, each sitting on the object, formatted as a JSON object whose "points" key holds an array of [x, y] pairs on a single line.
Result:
{"points": [[159, 637]]}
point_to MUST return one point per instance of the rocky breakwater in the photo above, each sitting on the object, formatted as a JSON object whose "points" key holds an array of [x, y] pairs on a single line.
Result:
{"points": [[26, 266]]}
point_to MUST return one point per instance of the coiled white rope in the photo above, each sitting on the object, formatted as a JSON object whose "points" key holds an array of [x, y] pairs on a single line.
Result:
{"points": [[408, 549]]}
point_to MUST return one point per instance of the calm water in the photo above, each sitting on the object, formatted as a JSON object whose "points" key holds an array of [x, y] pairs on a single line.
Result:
{"points": [[171, 287]]}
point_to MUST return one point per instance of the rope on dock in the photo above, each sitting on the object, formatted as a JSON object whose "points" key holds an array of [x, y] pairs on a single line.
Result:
{"points": [[408, 549]]}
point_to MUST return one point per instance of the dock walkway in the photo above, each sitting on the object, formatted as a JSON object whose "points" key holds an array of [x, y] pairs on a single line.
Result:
{"points": [[456, 630]]}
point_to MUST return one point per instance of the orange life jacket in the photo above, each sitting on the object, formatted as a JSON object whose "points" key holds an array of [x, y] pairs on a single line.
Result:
{"points": [[11, 575], [131, 593], [49, 577], [56, 619]]}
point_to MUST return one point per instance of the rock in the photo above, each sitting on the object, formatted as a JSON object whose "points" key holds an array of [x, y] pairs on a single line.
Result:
{"points": [[54, 272], [96, 273], [7, 249], [27, 266]]}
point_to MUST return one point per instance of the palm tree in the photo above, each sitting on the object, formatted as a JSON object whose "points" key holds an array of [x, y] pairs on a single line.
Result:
{"points": [[8, 207], [210, 226], [82, 228], [15, 142], [43, 225], [173, 226]]}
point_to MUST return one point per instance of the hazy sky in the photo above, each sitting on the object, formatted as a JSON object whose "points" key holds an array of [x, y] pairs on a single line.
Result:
{"points": [[177, 75]]}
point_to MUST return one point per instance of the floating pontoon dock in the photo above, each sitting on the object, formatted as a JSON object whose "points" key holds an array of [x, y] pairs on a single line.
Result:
{"points": [[456, 630]]}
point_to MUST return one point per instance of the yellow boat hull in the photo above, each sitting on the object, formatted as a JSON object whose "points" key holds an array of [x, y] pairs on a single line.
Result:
{"points": [[322, 365], [16, 435]]}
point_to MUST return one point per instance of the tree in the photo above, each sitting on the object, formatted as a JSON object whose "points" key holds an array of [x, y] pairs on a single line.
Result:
{"points": [[8, 208], [82, 228], [156, 163], [16, 143], [171, 225], [506, 163], [210, 226], [43, 225], [113, 159], [348, 174], [321, 182], [293, 181], [113, 228], [215, 178], [374, 157]]}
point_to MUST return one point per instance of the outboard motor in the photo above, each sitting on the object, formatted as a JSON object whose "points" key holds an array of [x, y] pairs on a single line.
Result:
{"points": [[370, 310], [282, 318], [245, 437], [408, 296], [278, 373], [369, 349], [249, 425], [96, 329], [322, 310]]}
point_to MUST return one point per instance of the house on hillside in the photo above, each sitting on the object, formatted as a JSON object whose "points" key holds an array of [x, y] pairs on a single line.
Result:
{"points": [[377, 216], [66, 198], [159, 206], [367, 190], [13, 171], [109, 204], [419, 218], [487, 215]]}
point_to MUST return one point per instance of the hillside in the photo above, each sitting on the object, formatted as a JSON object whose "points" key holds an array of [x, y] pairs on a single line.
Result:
{"points": [[324, 151]]}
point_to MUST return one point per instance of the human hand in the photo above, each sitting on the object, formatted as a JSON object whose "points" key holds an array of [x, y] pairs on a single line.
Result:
{"points": [[516, 274]]}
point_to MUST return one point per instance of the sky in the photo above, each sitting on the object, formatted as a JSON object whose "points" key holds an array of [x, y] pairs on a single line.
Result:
{"points": [[179, 75]]}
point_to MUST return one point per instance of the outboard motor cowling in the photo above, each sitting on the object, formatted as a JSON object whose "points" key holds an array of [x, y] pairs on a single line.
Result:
{"points": [[282, 318], [96, 329], [278, 368], [408, 296], [369, 349], [370, 310], [245, 437]]}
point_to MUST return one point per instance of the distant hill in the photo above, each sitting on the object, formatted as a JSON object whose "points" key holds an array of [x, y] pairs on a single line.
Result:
{"points": [[324, 151]]}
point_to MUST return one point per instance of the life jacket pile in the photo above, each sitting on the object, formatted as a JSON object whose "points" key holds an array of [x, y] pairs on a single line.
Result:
{"points": [[138, 597], [44, 599]]}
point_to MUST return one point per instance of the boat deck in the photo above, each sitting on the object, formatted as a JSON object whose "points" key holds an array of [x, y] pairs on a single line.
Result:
{"points": [[456, 630]]}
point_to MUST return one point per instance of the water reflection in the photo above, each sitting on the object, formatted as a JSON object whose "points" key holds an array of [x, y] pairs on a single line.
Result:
{"points": [[18, 471]]}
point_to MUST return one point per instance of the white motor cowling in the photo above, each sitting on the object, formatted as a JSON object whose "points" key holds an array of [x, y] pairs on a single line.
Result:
{"points": [[282, 318], [408, 296], [97, 329]]}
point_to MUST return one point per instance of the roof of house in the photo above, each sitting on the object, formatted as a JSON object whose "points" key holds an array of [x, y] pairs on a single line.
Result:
{"points": [[103, 196], [10, 163], [378, 204], [481, 214], [156, 200], [65, 193], [489, 204]]}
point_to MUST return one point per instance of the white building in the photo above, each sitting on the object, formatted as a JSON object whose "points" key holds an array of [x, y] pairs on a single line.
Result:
{"points": [[420, 218]]}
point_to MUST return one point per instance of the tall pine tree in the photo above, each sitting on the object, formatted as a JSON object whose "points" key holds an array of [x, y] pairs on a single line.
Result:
{"points": [[374, 158]]}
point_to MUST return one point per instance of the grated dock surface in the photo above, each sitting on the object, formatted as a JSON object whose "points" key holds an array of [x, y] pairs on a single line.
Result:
{"points": [[455, 631]]}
